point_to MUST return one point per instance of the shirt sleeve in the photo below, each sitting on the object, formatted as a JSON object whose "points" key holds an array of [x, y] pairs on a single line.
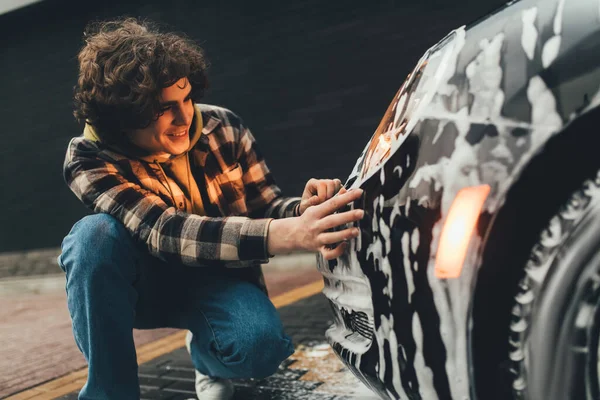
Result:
{"points": [[263, 196], [169, 234]]}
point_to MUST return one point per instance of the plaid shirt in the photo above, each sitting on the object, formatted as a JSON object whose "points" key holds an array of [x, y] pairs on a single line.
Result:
{"points": [[237, 181]]}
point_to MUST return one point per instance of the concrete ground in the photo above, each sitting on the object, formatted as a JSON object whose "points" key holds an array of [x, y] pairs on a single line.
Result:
{"points": [[40, 360]]}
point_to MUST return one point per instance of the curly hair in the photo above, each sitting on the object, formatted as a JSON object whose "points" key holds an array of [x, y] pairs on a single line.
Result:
{"points": [[123, 67]]}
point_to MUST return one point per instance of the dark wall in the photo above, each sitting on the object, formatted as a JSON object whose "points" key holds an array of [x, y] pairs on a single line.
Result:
{"points": [[311, 78]]}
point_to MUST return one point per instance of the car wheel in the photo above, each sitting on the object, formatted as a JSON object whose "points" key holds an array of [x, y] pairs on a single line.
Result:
{"points": [[556, 315]]}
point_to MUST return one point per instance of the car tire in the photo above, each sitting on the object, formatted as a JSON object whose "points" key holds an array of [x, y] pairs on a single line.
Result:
{"points": [[555, 323]]}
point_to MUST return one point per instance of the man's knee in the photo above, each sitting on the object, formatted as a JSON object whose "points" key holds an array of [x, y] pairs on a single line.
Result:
{"points": [[95, 241], [96, 228], [258, 351]]}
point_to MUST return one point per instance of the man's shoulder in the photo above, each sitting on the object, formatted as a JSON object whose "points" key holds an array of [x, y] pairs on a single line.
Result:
{"points": [[82, 147], [223, 115]]}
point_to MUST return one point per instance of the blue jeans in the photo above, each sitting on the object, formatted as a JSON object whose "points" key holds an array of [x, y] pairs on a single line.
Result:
{"points": [[114, 285]]}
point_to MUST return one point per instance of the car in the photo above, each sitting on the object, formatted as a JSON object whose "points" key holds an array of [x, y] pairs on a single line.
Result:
{"points": [[476, 273]]}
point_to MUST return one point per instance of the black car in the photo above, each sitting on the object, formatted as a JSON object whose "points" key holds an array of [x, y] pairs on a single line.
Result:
{"points": [[477, 271]]}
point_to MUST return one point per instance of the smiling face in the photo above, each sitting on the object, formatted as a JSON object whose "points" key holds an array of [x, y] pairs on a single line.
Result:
{"points": [[170, 133]]}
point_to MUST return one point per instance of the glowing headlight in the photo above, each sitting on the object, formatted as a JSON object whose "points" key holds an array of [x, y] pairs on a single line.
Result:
{"points": [[403, 113]]}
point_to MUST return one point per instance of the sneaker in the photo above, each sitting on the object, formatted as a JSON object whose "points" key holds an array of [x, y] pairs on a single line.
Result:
{"points": [[209, 388]]}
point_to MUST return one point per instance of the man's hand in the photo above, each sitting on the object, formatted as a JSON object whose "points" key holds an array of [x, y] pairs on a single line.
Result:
{"points": [[312, 230], [317, 191]]}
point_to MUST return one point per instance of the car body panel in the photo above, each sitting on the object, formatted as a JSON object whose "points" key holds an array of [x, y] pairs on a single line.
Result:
{"points": [[477, 108]]}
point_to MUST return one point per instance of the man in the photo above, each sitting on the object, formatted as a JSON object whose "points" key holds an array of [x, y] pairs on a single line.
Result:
{"points": [[185, 212]]}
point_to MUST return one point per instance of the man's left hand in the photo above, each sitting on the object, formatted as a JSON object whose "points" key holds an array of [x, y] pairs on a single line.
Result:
{"points": [[317, 191]]}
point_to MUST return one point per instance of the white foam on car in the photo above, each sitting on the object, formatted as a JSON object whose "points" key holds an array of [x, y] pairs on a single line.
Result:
{"points": [[529, 35]]}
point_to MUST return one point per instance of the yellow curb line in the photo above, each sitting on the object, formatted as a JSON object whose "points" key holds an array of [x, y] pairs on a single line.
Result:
{"points": [[75, 380]]}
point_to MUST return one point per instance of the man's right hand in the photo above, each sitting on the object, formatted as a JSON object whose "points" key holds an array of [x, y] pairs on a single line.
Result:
{"points": [[313, 230]]}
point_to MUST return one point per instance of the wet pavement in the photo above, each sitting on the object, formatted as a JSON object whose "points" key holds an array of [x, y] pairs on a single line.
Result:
{"points": [[313, 372]]}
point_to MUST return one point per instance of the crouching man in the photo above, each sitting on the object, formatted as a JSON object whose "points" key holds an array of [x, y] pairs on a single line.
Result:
{"points": [[185, 210]]}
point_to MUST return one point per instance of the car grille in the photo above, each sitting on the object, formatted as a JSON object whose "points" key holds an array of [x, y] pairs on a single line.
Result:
{"points": [[357, 322]]}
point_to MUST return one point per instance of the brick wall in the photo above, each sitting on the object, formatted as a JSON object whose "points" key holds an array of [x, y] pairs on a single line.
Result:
{"points": [[311, 78]]}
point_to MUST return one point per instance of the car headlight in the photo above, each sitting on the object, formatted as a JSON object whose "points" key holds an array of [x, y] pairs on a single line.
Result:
{"points": [[402, 114]]}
